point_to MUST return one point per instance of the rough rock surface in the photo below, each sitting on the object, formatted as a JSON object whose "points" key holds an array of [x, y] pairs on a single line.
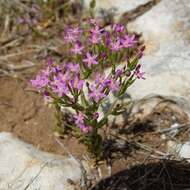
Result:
{"points": [[181, 150], [166, 32], [118, 7], [24, 167]]}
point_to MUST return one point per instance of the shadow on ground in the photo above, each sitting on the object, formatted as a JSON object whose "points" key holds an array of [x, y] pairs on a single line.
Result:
{"points": [[164, 175]]}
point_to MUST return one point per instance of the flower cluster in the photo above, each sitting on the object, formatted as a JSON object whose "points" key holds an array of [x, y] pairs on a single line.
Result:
{"points": [[81, 81], [60, 81]]}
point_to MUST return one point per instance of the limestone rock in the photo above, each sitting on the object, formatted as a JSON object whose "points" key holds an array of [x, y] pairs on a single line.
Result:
{"points": [[118, 7], [25, 167], [166, 32], [181, 150]]}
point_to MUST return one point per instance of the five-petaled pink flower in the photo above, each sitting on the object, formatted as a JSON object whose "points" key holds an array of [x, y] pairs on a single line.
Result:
{"points": [[118, 27], [84, 128], [79, 118], [95, 35], [94, 38], [113, 85], [77, 49], [75, 31], [128, 41], [73, 67], [80, 122], [96, 30], [40, 81], [116, 46], [59, 85], [102, 80], [77, 83], [70, 38], [90, 59], [96, 93], [72, 35]]}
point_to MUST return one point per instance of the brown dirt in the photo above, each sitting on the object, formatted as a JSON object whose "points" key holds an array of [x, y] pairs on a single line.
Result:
{"points": [[24, 114]]}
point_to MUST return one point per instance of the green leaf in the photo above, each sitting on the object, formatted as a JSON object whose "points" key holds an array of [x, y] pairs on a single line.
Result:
{"points": [[133, 64], [87, 73], [126, 85]]}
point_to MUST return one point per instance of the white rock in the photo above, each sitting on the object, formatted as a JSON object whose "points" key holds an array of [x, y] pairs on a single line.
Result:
{"points": [[24, 167], [185, 151], [166, 31], [180, 150], [116, 6]]}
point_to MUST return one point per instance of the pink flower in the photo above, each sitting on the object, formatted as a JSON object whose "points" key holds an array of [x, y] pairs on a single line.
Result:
{"points": [[101, 80], [116, 46], [47, 71], [118, 27], [72, 35], [94, 21], [140, 75], [96, 30], [84, 128], [90, 59], [56, 69], [69, 38], [128, 41], [79, 118], [77, 49], [75, 31], [118, 73], [60, 89], [96, 93], [95, 36], [76, 83], [79, 121], [62, 77], [59, 85], [73, 67], [113, 85], [95, 39], [41, 81]]}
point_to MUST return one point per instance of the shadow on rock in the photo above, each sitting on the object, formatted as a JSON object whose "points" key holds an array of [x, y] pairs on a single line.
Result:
{"points": [[164, 175]]}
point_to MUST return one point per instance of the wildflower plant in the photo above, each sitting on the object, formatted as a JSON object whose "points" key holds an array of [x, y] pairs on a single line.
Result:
{"points": [[36, 15], [80, 81]]}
